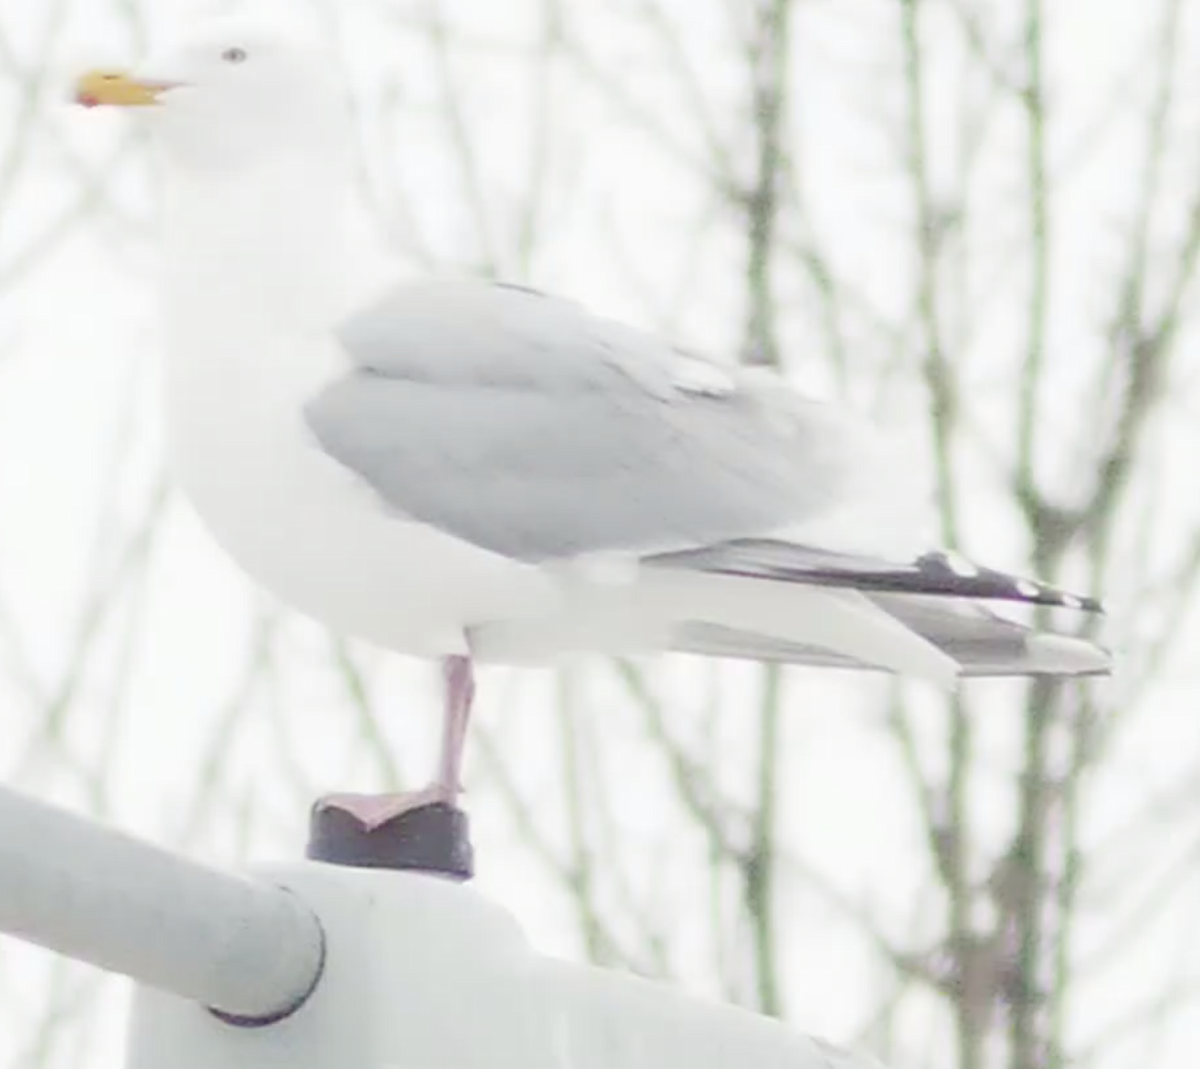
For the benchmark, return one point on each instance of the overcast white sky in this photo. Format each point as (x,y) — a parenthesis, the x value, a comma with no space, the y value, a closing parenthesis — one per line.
(626,228)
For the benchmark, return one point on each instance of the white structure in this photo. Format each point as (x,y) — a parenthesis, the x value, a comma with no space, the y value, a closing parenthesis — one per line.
(354,968)
(94,894)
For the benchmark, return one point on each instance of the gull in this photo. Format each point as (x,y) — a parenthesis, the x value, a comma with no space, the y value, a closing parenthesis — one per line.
(477,471)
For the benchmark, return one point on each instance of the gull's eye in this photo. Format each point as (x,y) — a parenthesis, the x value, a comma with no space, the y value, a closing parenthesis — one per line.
(234,55)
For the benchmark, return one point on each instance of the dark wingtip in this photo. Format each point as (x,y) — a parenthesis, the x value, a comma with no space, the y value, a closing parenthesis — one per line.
(935,574)
(962,577)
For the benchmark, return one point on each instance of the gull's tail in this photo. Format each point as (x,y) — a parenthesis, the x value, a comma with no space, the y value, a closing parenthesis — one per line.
(775,601)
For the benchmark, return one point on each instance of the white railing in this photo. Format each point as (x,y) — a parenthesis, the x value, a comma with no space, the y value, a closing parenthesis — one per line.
(320,966)
(78,888)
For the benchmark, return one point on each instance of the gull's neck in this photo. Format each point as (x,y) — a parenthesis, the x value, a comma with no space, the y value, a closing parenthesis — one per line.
(272,247)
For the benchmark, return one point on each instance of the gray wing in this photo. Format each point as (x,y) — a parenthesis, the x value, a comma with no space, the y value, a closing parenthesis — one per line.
(529,427)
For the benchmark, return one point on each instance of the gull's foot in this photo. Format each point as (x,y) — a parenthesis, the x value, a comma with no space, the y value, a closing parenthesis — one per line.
(374,810)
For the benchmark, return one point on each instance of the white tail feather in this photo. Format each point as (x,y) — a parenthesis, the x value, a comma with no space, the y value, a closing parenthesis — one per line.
(843,621)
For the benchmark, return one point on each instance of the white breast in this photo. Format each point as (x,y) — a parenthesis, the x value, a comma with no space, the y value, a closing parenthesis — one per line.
(304,527)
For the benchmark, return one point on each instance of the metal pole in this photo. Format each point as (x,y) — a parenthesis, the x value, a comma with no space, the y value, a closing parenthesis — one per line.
(246,948)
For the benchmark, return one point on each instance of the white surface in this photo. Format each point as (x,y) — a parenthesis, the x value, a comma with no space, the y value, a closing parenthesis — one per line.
(81,889)
(427,974)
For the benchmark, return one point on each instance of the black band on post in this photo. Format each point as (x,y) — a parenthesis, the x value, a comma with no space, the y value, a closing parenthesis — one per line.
(432,838)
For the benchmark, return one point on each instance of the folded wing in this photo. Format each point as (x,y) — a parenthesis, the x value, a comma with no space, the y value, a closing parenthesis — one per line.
(525,426)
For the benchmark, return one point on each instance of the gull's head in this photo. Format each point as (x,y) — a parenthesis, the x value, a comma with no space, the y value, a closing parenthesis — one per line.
(230,98)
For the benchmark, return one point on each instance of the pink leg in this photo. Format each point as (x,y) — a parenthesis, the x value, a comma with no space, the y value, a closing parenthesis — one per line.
(459,676)
(372,810)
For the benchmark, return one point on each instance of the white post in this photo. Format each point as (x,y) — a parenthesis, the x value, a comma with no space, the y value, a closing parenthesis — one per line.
(329,966)
(241,946)
(424,973)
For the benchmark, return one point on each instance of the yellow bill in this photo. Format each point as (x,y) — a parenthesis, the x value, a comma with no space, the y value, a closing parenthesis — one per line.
(116,89)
